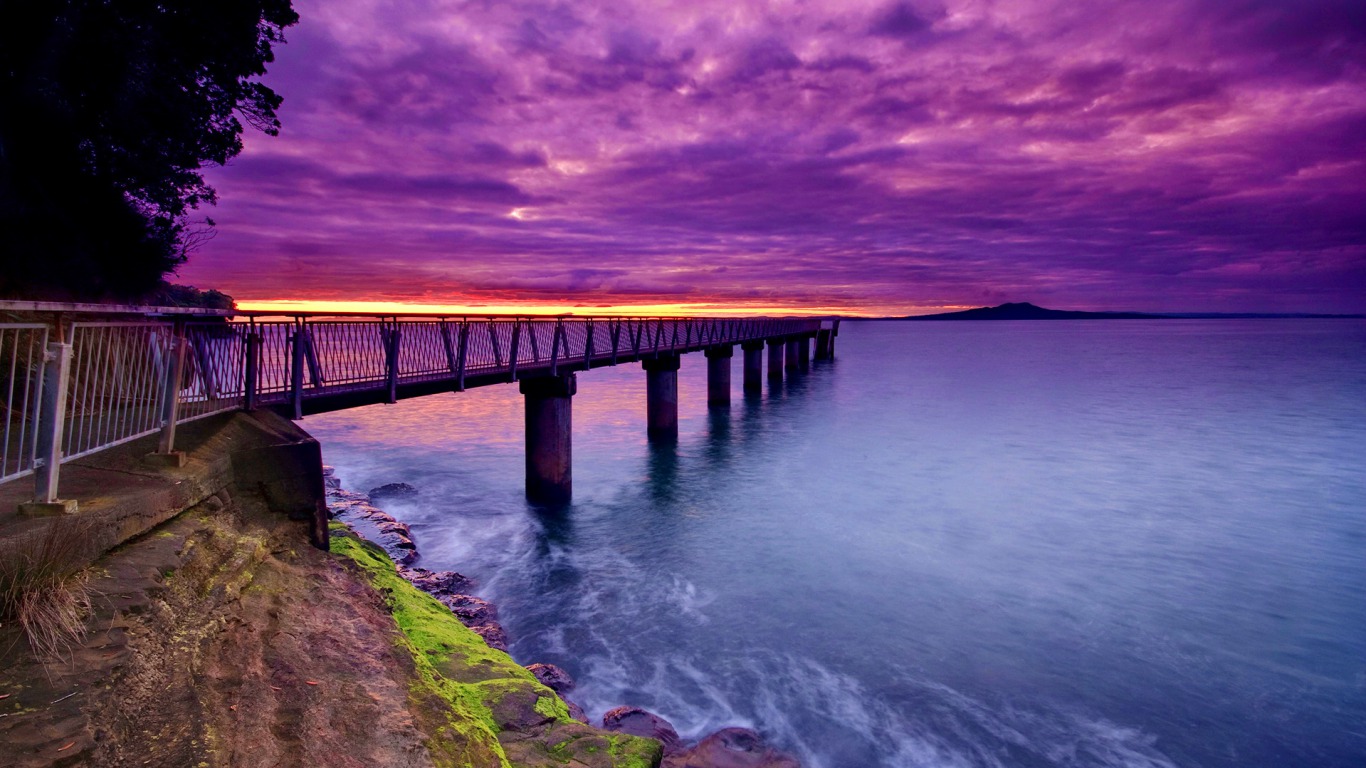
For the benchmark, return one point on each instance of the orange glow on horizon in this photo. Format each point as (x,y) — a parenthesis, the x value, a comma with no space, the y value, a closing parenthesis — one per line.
(681,309)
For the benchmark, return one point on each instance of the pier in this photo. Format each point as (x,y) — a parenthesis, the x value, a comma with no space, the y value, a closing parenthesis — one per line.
(82,378)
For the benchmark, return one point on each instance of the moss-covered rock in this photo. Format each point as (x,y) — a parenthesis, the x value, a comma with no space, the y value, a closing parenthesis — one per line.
(480,706)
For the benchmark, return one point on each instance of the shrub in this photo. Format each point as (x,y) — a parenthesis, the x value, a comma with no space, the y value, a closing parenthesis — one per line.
(44,586)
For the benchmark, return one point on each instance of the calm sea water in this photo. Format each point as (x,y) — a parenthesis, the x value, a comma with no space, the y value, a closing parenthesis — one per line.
(961,544)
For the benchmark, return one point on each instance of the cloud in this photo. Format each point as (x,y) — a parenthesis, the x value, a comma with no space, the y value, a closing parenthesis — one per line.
(1163,154)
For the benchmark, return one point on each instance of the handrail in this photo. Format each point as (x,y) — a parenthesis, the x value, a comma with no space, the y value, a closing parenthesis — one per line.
(12,305)
(85,377)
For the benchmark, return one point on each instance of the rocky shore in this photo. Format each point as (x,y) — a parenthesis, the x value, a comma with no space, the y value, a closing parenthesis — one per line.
(726,748)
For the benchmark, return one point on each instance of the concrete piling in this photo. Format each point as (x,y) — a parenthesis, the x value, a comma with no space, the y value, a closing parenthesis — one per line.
(661,398)
(549,428)
(718,374)
(754,366)
(775,359)
(823,344)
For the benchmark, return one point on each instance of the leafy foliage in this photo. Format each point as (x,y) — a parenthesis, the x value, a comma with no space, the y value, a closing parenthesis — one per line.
(111,109)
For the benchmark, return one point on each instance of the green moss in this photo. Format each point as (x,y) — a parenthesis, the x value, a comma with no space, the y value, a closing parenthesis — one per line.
(479,690)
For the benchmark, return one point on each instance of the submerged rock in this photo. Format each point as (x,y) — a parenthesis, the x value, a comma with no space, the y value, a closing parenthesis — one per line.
(392,491)
(639,722)
(730,748)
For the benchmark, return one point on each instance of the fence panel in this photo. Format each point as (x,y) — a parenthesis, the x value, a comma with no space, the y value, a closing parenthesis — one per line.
(118,383)
(22,350)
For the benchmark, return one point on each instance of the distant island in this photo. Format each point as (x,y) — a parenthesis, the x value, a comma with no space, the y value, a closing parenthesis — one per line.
(1023,310)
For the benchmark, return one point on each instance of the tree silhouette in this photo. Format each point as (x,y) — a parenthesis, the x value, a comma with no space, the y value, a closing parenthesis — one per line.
(108,111)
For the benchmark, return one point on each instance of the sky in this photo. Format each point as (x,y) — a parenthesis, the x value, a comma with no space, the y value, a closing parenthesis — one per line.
(867,158)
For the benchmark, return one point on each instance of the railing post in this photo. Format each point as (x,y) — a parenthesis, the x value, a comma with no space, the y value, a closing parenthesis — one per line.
(616,339)
(51,419)
(170,403)
(464,345)
(395,338)
(554,347)
(315,374)
(296,368)
(497,353)
(448,345)
(512,351)
(535,346)
(253,369)
(587,346)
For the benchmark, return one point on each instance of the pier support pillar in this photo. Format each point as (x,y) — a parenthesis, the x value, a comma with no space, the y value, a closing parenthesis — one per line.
(661,398)
(718,374)
(775,359)
(792,352)
(804,354)
(754,366)
(549,426)
(823,344)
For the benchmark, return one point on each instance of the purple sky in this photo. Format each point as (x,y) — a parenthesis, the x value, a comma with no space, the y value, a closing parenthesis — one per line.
(872,157)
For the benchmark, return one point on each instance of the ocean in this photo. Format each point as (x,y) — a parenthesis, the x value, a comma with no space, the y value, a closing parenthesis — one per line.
(1065,543)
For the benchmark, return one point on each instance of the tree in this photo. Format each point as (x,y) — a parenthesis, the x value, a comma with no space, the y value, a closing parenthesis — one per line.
(109,109)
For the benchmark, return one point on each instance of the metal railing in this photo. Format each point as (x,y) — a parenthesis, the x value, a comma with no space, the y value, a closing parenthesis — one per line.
(93,377)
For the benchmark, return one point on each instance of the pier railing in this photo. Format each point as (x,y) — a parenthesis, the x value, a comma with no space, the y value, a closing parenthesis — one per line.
(77,379)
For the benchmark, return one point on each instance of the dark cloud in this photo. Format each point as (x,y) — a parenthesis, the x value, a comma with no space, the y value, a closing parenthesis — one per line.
(1162,154)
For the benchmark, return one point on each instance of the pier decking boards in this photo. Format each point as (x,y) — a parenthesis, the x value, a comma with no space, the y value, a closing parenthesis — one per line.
(178,366)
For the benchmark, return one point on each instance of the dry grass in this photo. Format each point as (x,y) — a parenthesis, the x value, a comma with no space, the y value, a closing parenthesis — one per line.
(44,587)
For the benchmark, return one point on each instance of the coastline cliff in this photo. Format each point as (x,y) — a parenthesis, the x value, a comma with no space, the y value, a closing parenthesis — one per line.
(218,636)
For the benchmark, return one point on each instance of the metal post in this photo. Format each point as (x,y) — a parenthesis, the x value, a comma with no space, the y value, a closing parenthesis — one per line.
(253,370)
(587,346)
(296,369)
(464,345)
(555,347)
(394,338)
(448,345)
(51,418)
(170,403)
(493,337)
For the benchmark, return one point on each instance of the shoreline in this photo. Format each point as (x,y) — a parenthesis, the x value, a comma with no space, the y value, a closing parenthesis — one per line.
(731,747)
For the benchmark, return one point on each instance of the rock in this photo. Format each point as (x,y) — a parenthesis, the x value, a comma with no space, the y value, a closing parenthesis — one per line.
(394,528)
(438,583)
(493,634)
(639,722)
(731,748)
(392,491)
(575,711)
(213,503)
(471,610)
(552,677)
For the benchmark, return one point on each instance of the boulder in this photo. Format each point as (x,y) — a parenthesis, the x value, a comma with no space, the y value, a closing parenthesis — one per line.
(731,748)
(639,722)
(437,583)
(552,677)
(493,635)
(471,610)
(392,491)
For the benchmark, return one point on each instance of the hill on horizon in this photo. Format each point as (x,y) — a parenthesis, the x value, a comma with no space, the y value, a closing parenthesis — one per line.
(1023,310)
